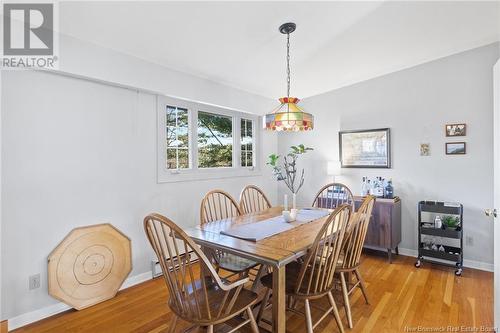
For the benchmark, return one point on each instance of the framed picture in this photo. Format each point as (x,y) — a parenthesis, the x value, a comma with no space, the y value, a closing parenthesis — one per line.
(425,149)
(455,129)
(365,148)
(455,148)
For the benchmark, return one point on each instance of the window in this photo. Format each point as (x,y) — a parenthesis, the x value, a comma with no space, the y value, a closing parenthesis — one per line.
(246,142)
(215,140)
(199,141)
(177,138)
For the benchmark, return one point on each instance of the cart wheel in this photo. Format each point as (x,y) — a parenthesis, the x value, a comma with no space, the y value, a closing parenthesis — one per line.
(458,272)
(418,263)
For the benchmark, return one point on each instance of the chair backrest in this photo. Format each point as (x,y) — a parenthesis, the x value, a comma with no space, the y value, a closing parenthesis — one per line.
(333,195)
(218,205)
(252,199)
(187,283)
(356,233)
(316,274)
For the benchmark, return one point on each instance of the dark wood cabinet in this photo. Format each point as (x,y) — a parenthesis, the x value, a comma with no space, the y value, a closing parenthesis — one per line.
(384,230)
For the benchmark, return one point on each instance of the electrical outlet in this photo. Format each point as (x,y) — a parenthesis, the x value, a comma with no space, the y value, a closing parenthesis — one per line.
(34,281)
(469,241)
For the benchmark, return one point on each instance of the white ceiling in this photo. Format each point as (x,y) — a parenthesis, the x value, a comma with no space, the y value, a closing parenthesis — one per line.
(238,43)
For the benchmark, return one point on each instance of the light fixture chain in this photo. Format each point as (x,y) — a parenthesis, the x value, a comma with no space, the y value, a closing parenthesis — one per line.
(288,64)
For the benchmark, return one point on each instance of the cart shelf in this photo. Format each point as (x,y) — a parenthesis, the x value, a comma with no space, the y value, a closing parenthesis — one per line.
(451,253)
(448,233)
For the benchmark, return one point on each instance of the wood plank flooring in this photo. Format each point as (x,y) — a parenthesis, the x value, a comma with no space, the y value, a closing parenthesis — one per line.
(402,298)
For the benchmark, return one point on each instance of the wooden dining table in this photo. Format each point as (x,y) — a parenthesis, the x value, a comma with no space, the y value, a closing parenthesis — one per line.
(275,251)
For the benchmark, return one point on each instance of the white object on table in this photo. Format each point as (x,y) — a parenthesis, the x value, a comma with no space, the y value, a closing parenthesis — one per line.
(287,216)
(285,205)
(294,201)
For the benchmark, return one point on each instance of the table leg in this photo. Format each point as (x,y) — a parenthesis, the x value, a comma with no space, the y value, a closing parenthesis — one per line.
(279,304)
(389,255)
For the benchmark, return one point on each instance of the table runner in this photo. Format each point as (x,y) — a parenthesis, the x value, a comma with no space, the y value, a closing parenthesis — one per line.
(275,225)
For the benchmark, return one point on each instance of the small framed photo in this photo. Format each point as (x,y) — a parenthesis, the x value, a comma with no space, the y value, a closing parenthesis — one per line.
(425,149)
(455,148)
(455,129)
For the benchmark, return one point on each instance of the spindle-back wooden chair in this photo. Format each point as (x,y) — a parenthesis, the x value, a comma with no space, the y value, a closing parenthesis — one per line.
(314,277)
(253,199)
(196,294)
(351,253)
(333,195)
(219,205)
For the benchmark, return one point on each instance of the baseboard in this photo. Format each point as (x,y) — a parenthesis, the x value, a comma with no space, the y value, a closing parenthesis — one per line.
(483,266)
(33,316)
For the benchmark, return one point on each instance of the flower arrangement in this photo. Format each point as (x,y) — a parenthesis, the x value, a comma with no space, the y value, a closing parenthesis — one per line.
(286,171)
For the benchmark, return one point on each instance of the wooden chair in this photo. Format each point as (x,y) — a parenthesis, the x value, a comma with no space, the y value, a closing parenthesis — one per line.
(196,295)
(219,205)
(314,278)
(351,253)
(333,195)
(252,199)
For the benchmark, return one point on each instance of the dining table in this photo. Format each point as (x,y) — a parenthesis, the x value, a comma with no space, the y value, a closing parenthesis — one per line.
(275,251)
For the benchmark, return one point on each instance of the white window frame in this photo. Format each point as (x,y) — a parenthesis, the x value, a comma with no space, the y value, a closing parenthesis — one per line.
(194,173)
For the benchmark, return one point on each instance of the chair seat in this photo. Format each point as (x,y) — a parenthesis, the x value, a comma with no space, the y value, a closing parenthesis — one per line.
(235,264)
(291,274)
(215,297)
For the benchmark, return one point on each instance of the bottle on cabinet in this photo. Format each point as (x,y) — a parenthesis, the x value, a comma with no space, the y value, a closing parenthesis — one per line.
(379,187)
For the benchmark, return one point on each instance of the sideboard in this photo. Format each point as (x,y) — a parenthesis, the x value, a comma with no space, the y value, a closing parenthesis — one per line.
(384,230)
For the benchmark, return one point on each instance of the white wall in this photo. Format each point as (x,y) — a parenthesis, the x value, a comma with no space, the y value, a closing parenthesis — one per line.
(416,104)
(76,152)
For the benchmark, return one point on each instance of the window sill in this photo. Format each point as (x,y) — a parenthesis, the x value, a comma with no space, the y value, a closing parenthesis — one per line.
(172,176)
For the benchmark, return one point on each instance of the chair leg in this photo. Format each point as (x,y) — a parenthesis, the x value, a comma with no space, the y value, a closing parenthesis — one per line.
(173,323)
(345,293)
(263,305)
(210,329)
(309,324)
(260,273)
(362,285)
(335,312)
(253,324)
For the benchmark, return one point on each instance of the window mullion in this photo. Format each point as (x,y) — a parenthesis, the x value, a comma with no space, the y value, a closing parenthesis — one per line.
(237,141)
(193,144)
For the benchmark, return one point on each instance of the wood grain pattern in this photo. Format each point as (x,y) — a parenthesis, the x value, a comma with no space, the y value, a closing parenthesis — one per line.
(4,326)
(89,265)
(197,295)
(218,205)
(294,241)
(253,199)
(333,195)
(404,302)
(384,231)
(275,251)
(314,277)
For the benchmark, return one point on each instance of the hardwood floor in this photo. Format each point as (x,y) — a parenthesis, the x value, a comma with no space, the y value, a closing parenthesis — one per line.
(402,298)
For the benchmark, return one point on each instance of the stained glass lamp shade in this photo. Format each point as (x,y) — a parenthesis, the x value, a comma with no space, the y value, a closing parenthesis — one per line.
(288,116)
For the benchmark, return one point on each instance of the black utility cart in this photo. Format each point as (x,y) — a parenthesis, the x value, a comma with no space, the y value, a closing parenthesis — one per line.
(451,231)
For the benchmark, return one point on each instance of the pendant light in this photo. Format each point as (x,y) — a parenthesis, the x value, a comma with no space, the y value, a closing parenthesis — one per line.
(288,116)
